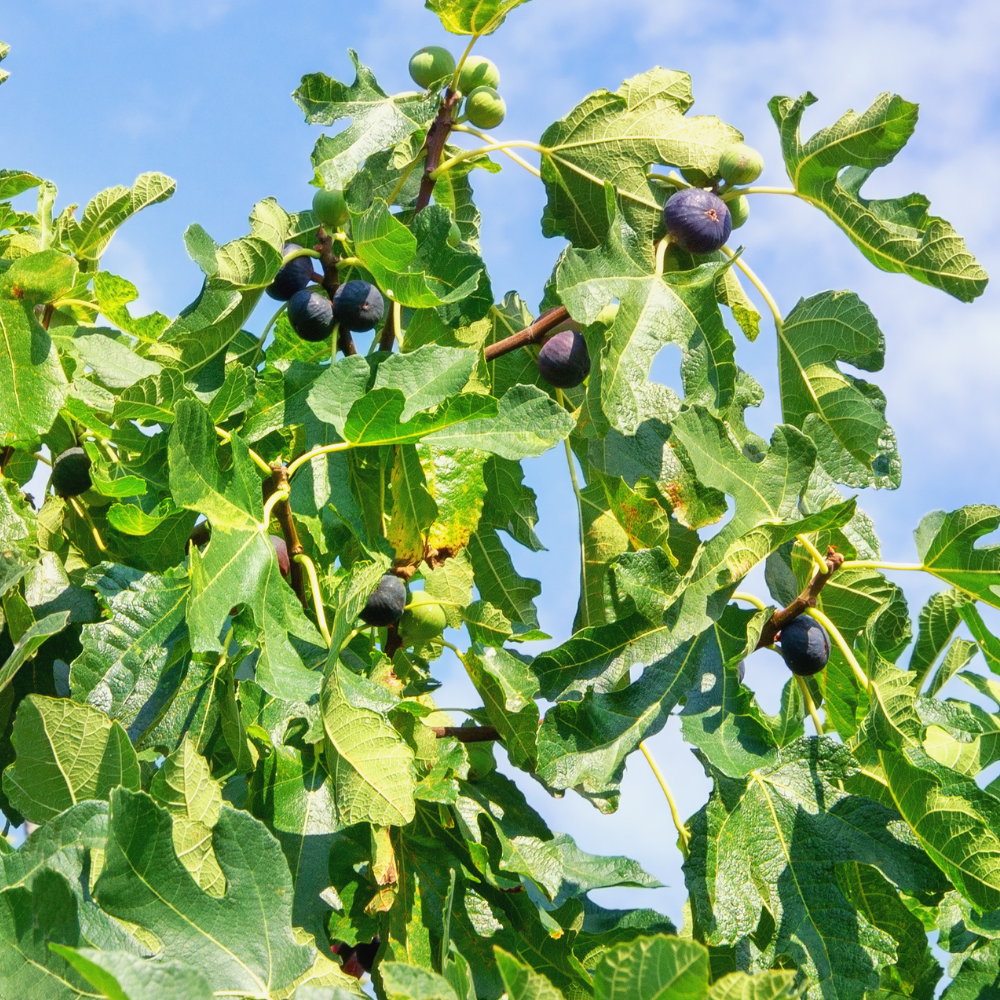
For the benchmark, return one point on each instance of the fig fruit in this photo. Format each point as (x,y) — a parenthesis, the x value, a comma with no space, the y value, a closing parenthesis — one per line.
(311,315)
(430,64)
(358,306)
(485,108)
(564,361)
(805,646)
(739,209)
(697,220)
(281,551)
(386,603)
(478,71)
(291,277)
(422,621)
(454,235)
(71,473)
(329,207)
(740,164)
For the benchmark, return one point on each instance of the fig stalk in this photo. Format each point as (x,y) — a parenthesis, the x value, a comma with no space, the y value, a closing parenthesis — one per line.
(331,282)
(283,512)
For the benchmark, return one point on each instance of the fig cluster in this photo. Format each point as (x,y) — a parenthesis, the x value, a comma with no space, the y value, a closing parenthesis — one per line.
(71,473)
(477,80)
(805,646)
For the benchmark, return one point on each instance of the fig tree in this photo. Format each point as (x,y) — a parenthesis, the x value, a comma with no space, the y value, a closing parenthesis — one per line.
(386,603)
(71,473)
(358,306)
(805,646)
(291,277)
(311,315)
(430,64)
(740,164)
(422,621)
(329,207)
(739,209)
(485,108)
(281,551)
(478,71)
(564,361)
(697,220)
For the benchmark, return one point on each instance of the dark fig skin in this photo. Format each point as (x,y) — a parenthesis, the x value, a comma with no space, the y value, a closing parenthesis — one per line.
(805,646)
(311,315)
(281,551)
(697,220)
(291,277)
(386,604)
(741,669)
(358,306)
(357,959)
(564,361)
(71,473)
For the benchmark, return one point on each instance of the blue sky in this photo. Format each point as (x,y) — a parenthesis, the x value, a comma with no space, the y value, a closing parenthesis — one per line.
(199,89)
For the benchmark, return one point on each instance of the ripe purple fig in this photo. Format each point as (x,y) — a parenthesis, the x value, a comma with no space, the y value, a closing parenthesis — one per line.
(564,362)
(311,315)
(805,646)
(281,551)
(358,306)
(291,277)
(697,220)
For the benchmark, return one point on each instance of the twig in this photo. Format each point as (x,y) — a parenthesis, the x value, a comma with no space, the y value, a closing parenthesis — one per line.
(533,334)
(467,734)
(807,599)
(330,283)
(283,512)
(437,136)
(388,336)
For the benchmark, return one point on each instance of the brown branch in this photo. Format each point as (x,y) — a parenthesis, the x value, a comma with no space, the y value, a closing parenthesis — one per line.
(47,315)
(807,599)
(392,641)
(388,336)
(330,283)
(6,454)
(467,734)
(533,334)
(437,136)
(283,512)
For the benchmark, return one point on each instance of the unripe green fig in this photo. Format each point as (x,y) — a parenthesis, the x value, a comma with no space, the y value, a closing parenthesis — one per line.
(430,64)
(485,108)
(454,235)
(739,209)
(740,164)
(422,621)
(329,207)
(478,71)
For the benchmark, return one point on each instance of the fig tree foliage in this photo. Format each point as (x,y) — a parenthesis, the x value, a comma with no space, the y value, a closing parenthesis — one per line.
(230,767)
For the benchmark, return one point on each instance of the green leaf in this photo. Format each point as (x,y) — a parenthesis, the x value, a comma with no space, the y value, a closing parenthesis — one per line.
(377,120)
(946,544)
(113,295)
(121,976)
(370,764)
(654,310)
(28,643)
(105,212)
(184,786)
(118,668)
(844,416)
(754,845)
(40,277)
(426,376)
(955,821)
(411,982)
(242,941)
(939,618)
(522,982)
(30,375)
(616,137)
(499,583)
(413,508)
(653,968)
(472,17)
(65,753)
(895,234)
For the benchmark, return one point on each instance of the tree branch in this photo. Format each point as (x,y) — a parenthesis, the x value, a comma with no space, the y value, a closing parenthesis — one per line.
(437,136)
(467,734)
(807,599)
(283,512)
(330,283)
(387,339)
(533,334)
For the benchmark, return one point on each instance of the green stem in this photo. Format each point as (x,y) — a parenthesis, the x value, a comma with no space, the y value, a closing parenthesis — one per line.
(579,509)
(735,192)
(760,286)
(807,698)
(683,835)
(482,135)
(275,498)
(317,596)
(842,643)
(407,170)
(461,62)
(301,252)
(661,255)
(878,564)
(742,595)
(267,329)
(495,147)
